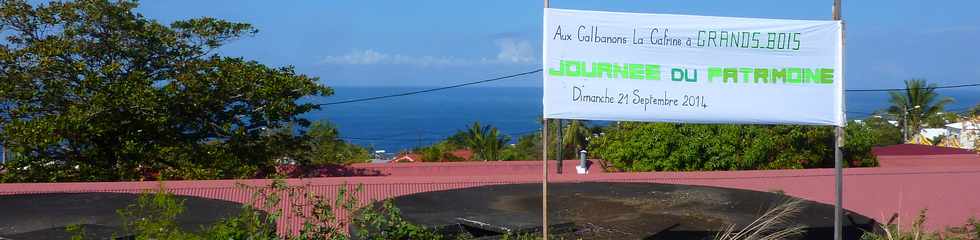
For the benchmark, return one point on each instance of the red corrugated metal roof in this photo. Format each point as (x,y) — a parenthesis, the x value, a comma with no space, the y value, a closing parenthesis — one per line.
(948,192)
(916,149)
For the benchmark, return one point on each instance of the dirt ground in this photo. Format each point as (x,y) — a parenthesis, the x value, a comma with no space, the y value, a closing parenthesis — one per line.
(615,210)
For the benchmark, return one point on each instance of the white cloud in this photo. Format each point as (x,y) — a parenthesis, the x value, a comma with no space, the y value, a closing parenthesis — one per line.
(367,57)
(515,51)
(510,51)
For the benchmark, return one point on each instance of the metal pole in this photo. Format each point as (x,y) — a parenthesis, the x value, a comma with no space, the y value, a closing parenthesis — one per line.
(838,183)
(561,145)
(544,169)
(838,143)
(544,182)
(905,124)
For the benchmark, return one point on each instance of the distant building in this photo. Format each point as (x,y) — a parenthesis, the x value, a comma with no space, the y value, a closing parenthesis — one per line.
(380,156)
(965,132)
(962,134)
(456,155)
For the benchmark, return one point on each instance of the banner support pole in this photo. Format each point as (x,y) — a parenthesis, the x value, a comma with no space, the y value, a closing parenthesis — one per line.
(544,168)
(838,143)
(544,181)
(560,142)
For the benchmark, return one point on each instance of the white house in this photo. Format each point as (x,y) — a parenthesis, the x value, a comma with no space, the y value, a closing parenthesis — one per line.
(966,132)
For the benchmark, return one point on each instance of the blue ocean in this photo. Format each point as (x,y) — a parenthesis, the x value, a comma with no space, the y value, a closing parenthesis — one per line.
(401,123)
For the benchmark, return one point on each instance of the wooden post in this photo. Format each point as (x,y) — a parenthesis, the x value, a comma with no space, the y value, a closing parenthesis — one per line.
(544,181)
(544,169)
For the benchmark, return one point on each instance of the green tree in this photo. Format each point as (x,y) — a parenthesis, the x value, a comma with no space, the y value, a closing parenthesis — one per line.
(940,119)
(326,148)
(859,139)
(883,132)
(575,137)
(972,113)
(441,151)
(913,106)
(528,147)
(93,90)
(486,142)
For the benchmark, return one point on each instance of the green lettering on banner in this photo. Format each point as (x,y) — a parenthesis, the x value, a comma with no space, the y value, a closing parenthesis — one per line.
(809,76)
(578,68)
(636,71)
(601,68)
(618,71)
(713,72)
(730,73)
(652,72)
(761,73)
(793,75)
(826,75)
(745,74)
(778,74)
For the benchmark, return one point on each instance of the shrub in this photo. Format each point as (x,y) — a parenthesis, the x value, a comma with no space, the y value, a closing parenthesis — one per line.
(893,231)
(634,146)
(154,216)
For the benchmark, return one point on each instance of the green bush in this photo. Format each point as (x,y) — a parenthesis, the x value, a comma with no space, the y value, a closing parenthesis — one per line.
(635,146)
(154,216)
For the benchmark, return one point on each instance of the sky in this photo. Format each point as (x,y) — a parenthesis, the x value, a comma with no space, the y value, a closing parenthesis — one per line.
(438,43)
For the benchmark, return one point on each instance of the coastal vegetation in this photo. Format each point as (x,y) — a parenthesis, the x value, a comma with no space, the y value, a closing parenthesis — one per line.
(155,215)
(97,92)
(93,91)
(893,231)
(634,146)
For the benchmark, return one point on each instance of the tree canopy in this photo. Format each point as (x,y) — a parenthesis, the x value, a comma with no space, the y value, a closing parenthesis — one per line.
(916,105)
(92,90)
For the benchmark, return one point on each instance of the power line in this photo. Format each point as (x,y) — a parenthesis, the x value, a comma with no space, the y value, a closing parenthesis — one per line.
(539,70)
(905,89)
(432,89)
(386,139)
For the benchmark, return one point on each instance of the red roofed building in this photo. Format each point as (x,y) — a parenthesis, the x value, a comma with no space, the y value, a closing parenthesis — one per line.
(917,149)
(464,154)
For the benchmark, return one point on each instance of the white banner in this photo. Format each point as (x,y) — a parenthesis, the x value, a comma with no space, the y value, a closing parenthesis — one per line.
(692,69)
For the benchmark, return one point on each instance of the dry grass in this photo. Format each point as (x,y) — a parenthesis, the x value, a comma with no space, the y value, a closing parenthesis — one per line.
(772,225)
(894,231)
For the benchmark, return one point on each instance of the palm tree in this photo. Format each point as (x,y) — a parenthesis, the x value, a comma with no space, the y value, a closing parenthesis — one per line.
(575,137)
(918,101)
(486,142)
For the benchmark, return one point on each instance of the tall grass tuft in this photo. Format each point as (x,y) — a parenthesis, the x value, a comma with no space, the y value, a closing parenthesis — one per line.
(771,225)
(894,231)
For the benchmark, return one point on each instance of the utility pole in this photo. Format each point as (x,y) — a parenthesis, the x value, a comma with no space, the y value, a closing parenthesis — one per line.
(838,143)
(905,124)
(906,127)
